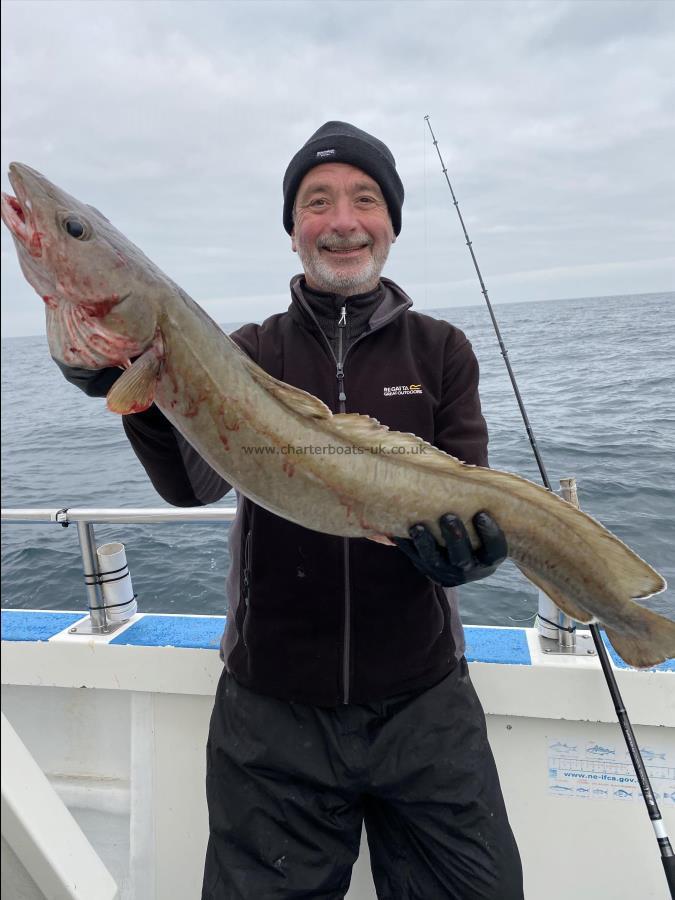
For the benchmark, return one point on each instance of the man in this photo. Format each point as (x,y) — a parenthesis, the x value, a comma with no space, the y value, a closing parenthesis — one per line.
(345,695)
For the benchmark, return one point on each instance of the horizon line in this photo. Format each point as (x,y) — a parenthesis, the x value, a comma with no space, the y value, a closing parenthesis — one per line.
(476,302)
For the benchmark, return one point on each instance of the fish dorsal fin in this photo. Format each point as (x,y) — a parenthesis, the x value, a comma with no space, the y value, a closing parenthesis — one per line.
(370,434)
(295,399)
(134,390)
(353,427)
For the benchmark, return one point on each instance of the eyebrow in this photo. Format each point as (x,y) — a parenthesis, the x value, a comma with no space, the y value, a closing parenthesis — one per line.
(359,186)
(367,186)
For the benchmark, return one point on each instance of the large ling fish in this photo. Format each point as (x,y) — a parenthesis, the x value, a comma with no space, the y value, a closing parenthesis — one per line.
(107,304)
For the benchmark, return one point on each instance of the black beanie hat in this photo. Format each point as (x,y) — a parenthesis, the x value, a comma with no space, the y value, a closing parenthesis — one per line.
(344,143)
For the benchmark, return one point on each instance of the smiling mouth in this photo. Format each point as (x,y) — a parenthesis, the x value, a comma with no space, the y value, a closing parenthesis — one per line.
(345,251)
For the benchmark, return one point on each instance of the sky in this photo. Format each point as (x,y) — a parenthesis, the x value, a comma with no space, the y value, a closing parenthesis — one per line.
(177,121)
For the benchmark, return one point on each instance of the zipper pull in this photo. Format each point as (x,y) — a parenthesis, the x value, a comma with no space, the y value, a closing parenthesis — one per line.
(342,321)
(342,397)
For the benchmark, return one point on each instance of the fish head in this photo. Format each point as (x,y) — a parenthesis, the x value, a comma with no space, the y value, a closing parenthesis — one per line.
(99,290)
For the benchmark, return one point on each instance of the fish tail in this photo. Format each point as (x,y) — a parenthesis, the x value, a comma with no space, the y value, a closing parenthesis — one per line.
(651,640)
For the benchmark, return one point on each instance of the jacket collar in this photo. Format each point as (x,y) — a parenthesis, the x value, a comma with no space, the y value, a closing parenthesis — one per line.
(393,304)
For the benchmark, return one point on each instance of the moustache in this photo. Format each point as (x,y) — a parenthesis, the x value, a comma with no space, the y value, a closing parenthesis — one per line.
(338,243)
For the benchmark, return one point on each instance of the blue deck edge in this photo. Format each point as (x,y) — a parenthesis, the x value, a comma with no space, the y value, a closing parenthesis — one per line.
(483,644)
(506,646)
(35,625)
(199,632)
(497,645)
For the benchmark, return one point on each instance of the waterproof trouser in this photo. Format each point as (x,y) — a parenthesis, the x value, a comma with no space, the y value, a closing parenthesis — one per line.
(289,786)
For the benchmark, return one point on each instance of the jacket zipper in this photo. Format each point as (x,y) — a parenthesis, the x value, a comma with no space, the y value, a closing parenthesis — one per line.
(342,400)
(247,583)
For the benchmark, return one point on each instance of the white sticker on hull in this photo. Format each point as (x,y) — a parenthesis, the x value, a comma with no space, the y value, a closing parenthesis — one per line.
(593,770)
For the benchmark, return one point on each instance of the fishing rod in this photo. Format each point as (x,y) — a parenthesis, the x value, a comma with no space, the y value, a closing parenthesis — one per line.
(665,848)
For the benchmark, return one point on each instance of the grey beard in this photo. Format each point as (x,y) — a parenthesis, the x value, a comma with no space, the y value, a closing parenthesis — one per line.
(330,280)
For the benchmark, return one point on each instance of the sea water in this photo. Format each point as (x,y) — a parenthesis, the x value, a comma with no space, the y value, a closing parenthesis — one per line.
(597,376)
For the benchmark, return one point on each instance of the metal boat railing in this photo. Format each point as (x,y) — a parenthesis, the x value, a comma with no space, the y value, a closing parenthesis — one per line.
(86,518)
(102,515)
(557,631)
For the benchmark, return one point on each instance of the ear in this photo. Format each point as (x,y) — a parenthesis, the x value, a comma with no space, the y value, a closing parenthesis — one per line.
(294,246)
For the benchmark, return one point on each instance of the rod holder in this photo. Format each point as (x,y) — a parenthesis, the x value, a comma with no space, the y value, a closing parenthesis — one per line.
(119,600)
(105,615)
(567,635)
(556,627)
(97,613)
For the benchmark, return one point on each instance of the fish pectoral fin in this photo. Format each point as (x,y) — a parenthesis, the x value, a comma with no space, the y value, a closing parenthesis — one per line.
(651,640)
(574,610)
(134,390)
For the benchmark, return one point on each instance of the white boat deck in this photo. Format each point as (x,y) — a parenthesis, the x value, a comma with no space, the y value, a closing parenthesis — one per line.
(118,724)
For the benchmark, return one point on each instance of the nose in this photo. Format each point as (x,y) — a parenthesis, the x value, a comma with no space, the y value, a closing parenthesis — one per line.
(343,216)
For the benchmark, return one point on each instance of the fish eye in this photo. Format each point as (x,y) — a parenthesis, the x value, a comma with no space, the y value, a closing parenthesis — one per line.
(74,224)
(75,228)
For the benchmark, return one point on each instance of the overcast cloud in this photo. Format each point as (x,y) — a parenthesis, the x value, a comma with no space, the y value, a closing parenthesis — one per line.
(177,121)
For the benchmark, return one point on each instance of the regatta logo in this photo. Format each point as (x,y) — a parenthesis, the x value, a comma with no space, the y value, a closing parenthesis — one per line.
(321,153)
(402,390)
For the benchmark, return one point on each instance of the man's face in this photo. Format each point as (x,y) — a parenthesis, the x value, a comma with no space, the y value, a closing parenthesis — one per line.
(342,231)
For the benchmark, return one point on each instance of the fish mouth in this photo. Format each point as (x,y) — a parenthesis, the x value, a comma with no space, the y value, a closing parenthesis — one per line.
(14,216)
(16,213)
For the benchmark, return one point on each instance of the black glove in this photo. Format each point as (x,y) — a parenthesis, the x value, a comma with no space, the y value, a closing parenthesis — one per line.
(97,383)
(94,382)
(456,562)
